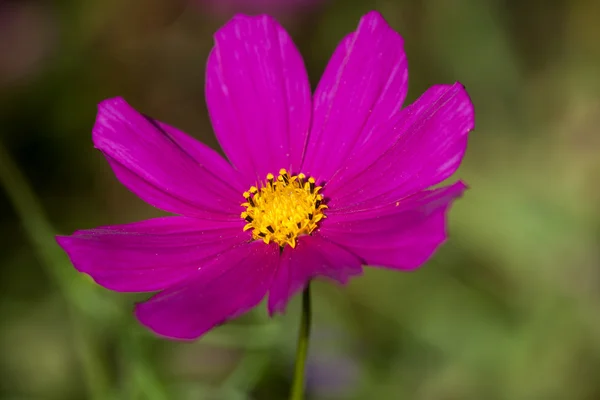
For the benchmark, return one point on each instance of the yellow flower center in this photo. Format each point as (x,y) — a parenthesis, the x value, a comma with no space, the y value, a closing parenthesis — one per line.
(283,209)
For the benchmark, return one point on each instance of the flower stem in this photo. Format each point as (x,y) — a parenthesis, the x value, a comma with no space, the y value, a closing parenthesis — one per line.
(297,392)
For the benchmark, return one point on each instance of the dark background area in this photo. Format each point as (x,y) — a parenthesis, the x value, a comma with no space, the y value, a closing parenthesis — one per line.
(508,309)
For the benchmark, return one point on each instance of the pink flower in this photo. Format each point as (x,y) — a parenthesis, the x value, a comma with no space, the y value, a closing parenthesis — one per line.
(315,186)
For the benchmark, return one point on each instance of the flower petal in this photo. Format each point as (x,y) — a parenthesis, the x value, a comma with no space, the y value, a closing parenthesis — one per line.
(363,86)
(149,255)
(313,256)
(229,285)
(206,156)
(150,159)
(258,96)
(430,148)
(401,236)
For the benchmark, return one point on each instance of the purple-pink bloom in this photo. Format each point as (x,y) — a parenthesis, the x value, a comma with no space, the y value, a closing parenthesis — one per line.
(315,186)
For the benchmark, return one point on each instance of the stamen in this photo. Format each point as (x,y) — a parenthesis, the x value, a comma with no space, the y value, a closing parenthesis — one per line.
(283,209)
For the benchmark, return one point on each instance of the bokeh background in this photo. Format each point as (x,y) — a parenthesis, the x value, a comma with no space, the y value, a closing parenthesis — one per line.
(508,309)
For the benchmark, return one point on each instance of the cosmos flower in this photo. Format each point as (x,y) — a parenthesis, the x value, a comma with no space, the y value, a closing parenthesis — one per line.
(314,186)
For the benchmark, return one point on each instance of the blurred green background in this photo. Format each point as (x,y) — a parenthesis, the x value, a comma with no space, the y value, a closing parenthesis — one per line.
(508,309)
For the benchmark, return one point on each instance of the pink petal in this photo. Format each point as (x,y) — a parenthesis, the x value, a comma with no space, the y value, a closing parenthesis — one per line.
(163,166)
(430,148)
(227,286)
(313,256)
(399,236)
(258,96)
(149,255)
(363,86)
(206,156)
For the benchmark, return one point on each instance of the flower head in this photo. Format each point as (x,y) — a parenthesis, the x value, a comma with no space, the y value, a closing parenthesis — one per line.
(284,209)
(314,186)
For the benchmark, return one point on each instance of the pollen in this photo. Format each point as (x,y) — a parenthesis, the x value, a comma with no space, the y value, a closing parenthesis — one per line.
(283,209)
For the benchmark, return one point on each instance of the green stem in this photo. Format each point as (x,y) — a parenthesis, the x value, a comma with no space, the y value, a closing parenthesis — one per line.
(297,392)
